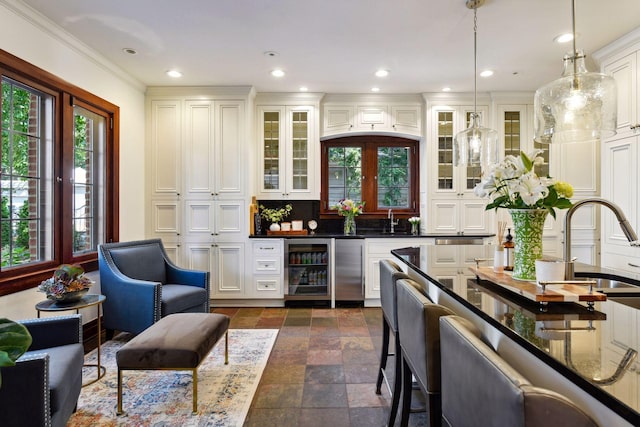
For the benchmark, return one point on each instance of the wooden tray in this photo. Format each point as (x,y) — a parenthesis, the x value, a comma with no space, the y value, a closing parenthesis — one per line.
(530,290)
(287,233)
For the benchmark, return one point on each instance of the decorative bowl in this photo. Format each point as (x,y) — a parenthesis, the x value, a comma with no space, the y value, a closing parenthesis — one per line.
(68,297)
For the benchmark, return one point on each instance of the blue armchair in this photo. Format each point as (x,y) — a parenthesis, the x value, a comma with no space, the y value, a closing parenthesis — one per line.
(142,285)
(42,389)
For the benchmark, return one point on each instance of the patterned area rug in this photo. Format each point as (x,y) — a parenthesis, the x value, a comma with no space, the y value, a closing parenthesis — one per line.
(164,398)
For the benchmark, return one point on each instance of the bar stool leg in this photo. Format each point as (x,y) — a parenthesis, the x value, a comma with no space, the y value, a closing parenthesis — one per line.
(383,354)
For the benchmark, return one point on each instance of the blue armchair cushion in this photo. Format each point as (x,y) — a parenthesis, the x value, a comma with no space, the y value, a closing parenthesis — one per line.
(64,374)
(180,298)
(143,262)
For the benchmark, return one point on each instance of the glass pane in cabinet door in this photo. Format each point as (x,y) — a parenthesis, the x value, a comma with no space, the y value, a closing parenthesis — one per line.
(300,149)
(445,150)
(474,173)
(393,177)
(271,147)
(345,174)
(512,133)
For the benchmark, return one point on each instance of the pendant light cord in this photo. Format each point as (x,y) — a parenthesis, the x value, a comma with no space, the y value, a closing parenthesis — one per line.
(573,28)
(475,62)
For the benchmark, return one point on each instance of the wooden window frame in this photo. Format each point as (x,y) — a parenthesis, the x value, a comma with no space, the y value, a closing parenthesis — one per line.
(369,145)
(65,95)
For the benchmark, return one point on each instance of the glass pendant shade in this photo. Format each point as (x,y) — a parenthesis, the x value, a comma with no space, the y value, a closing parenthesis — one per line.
(475,146)
(579,106)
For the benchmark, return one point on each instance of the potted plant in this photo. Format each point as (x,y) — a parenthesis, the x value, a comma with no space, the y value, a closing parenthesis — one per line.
(275,215)
(15,339)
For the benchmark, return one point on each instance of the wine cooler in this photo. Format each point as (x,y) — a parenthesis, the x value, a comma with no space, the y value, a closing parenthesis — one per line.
(307,273)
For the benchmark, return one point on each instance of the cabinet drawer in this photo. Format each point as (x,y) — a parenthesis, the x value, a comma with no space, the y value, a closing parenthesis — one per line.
(267,265)
(267,248)
(268,287)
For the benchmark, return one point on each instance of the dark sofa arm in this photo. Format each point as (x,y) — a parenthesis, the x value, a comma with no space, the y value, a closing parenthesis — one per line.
(24,394)
(54,331)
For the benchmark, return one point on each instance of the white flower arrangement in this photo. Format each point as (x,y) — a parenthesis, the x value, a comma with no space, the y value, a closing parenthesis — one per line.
(514,184)
(414,220)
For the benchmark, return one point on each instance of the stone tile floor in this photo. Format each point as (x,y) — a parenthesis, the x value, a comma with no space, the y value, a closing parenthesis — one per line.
(322,369)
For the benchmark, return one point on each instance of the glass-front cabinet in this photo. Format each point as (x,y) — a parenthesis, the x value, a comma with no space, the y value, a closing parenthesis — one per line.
(286,137)
(453,207)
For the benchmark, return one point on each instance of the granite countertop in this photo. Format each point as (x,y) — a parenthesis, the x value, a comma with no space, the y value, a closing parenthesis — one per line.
(375,235)
(569,337)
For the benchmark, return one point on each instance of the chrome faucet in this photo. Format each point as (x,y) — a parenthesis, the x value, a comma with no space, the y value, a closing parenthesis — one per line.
(392,221)
(624,224)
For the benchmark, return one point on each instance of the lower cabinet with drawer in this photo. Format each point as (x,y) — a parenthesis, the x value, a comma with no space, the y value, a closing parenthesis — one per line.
(266,269)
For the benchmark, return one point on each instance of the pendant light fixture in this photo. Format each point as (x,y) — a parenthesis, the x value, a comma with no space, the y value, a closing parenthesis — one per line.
(579,106)
(477,145)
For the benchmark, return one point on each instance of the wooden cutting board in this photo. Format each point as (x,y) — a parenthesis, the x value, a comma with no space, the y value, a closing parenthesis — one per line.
(530,290)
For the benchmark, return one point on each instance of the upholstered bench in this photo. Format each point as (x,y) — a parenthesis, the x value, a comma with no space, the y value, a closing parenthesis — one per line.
(177,342)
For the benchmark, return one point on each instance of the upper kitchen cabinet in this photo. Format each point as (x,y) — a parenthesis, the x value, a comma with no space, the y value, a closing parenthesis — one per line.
(453,207)
(621,60)
(289,150)
(214,130)
(384,114)
(165,146)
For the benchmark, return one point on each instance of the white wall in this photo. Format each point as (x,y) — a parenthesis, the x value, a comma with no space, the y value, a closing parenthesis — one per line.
(33,38)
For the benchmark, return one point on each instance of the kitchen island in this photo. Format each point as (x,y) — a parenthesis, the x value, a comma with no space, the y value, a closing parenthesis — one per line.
(588,354)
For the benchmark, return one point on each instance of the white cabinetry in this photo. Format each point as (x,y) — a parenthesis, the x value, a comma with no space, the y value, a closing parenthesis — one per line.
(453,208)
(197,201)
(372,117)
(621,153)
(267,273)
(288,145)
(377,250)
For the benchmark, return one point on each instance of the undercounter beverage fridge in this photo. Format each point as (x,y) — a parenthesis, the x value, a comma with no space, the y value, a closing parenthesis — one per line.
(307,273)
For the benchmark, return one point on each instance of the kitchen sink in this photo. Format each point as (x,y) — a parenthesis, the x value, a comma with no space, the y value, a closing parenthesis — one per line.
(613,287)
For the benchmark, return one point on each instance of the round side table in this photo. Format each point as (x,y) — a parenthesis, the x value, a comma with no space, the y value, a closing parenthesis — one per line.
(86,301)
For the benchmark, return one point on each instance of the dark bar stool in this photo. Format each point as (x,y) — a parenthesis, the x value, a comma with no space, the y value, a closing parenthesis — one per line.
(479,388)
(389,274)
(418,324)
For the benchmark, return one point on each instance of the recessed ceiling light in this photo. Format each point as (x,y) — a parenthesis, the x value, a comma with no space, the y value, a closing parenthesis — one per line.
(303,88)
(271,53)
(130,51)
(446,89)
(277,73)
(174,73)
(375,89)
(486,73)
(382,73)
(563,38)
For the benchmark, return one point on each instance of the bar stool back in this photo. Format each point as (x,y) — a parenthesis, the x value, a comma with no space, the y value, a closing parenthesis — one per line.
(389,274)
(479,388)
(419,327)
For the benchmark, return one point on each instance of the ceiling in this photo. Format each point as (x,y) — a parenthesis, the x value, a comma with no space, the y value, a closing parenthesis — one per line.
(335,46)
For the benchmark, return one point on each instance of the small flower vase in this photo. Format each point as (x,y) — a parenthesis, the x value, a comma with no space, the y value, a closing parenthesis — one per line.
(415,228)
(528,225)
(274,227)
(349,225)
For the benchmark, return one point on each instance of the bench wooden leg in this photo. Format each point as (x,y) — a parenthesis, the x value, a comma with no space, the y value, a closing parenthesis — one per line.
(119,410)
(226,348)
(195,391)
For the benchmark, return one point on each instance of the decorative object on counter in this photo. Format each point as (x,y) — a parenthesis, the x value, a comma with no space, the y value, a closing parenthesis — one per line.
(508,251)
(297,225)
(275,215)
(285,226)
(513,184)
(253,212)
(68,284)
(498,253)
(349,210)
(312,226)
(415,225)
